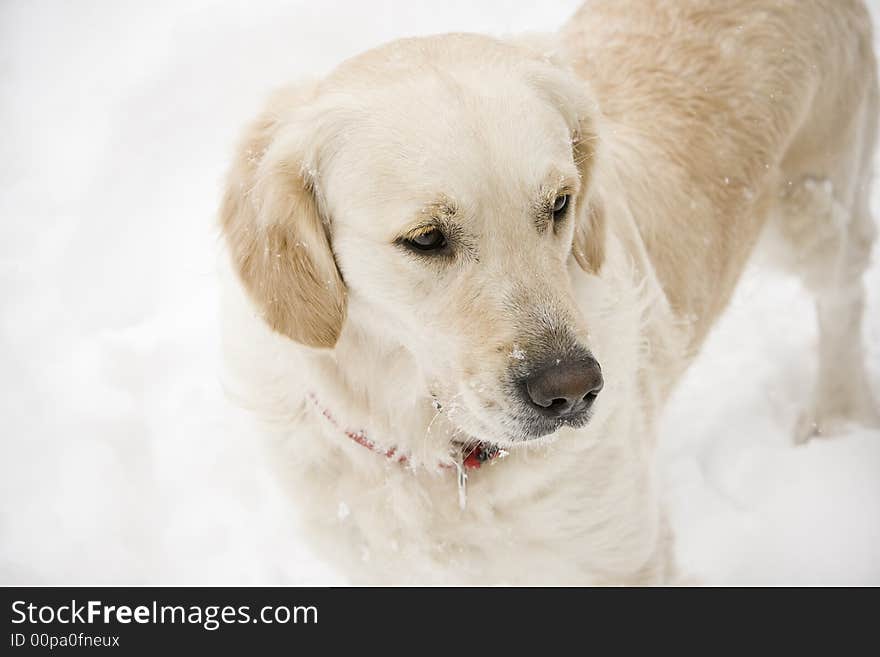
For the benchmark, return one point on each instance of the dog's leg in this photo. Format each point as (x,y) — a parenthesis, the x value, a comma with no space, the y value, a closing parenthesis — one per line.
(832,247)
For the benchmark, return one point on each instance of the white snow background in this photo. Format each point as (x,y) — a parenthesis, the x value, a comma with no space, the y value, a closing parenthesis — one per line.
(122,461)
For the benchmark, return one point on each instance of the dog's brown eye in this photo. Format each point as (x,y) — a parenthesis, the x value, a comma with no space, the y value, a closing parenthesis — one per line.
(429,240)
(560,205)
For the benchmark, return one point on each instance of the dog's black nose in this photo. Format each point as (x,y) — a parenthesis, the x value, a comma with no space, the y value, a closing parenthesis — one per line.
(564,388)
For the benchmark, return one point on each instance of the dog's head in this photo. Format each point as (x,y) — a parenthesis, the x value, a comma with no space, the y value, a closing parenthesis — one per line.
(431,192)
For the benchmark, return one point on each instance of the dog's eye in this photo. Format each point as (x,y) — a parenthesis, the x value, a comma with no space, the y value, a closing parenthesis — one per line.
(560,205)
(428,240)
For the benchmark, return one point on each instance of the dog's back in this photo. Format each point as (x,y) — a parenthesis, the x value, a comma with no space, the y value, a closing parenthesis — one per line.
(718,106)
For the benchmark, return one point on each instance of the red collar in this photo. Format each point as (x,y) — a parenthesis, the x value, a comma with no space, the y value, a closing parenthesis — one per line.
(473,455)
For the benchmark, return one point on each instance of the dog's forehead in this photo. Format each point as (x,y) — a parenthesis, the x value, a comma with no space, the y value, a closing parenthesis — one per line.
(458,135)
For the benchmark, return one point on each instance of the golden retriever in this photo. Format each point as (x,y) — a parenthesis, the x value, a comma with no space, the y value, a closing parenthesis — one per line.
(468,271)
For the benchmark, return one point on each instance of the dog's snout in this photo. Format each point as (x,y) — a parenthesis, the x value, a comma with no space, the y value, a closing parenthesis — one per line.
(564,388)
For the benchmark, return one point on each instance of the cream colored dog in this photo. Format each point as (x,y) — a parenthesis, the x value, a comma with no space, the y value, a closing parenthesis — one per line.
(471,270)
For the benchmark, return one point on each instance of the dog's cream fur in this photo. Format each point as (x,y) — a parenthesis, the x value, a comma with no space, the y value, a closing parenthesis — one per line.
(680,128)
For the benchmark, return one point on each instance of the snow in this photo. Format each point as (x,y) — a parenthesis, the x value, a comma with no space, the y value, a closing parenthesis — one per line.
(122,460)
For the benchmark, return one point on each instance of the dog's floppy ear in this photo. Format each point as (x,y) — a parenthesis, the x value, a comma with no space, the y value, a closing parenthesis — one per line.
(278,241)
(589,231)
